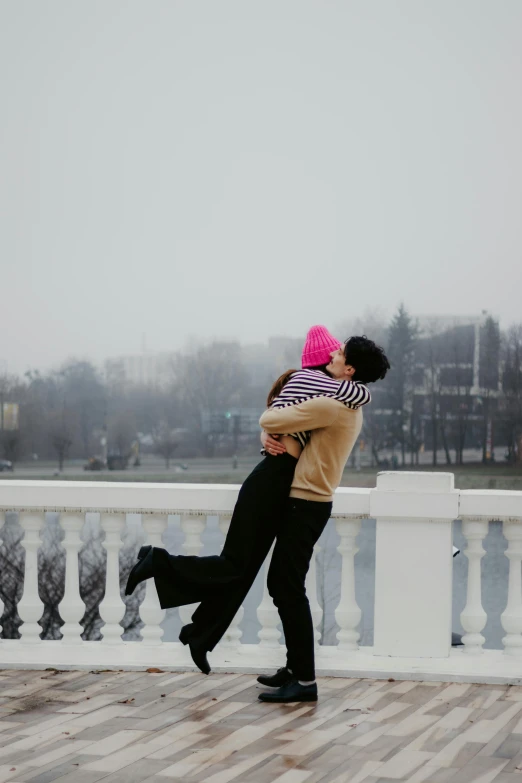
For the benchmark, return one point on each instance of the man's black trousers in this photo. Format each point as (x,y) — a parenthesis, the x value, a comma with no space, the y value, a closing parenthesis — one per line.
(299,530)
(221,582)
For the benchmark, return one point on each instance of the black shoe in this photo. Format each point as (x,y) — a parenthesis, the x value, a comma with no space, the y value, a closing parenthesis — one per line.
(456,640)
(141,571)
(281,677)
(291,692)
(198,654)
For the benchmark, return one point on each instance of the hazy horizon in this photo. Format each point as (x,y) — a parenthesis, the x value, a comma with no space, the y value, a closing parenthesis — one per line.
(239,171)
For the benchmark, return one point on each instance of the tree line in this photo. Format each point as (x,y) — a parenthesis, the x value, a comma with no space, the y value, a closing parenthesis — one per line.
(450,388)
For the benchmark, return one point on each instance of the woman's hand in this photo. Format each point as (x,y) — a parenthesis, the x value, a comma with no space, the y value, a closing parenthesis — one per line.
(271,444)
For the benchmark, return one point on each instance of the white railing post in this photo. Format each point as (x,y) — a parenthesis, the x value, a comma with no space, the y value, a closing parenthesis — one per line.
(112,608)
(316,609)
(30,608)
(511,618)
(267,614)
(192,526)
(151,612)
(473,617)
(71,607)
(413,564)
(234,633)
(348,613)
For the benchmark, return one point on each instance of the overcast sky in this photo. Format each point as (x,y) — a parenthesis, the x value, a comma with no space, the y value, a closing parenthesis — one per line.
(245,168)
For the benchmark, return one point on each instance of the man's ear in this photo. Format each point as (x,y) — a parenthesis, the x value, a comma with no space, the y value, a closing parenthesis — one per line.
(349,371)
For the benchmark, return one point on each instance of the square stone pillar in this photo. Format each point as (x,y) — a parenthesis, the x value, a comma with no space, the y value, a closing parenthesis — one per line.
(414,512)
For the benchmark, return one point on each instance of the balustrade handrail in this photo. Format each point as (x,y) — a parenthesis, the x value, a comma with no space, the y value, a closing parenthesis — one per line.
(143,498)
(146,498)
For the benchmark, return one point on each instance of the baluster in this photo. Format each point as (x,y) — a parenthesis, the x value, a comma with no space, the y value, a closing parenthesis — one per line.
(511,618)
(348,613)
(2,520)
(267,614)
(150,610)
(112,608)
(192,526)
(71,607)
(234,633)
(30,607)
(311,591)
(473,617)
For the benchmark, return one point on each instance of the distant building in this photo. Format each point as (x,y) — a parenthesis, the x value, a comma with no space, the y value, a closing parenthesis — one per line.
(457,380)
(458,353)
(146,369)
(264,362)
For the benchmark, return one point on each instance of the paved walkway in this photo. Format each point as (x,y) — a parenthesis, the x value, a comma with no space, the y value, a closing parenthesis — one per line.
(121,727)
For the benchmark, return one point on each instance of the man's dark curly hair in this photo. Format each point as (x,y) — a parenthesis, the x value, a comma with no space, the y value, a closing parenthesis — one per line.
(370,362)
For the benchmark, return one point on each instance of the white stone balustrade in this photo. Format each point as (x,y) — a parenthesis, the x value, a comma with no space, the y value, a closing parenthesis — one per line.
(511,618)
(151,612)
(348,613)
(413,565)
(30,607)
(473,617)
(72,608)
(112,608)
(413,581)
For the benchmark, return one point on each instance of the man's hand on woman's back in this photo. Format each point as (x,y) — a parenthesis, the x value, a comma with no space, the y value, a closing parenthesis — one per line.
(271,444)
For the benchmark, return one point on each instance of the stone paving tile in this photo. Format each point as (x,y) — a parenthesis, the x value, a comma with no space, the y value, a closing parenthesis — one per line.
(81,727)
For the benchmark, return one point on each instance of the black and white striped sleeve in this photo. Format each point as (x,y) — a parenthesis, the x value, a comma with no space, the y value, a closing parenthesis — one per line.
(354,393)
(303,385)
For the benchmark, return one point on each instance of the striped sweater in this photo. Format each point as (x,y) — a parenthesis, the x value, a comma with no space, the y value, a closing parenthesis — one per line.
(307,384)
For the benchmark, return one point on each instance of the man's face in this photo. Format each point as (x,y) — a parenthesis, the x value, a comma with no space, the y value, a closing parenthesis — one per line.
(338,368)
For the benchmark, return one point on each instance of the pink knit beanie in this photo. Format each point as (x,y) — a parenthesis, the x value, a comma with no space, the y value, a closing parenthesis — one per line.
(318,347)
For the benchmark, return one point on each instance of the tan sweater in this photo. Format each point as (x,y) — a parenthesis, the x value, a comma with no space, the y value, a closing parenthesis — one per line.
(335,430)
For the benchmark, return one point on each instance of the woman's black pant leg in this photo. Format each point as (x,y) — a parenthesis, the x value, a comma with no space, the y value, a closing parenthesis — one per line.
(183,580)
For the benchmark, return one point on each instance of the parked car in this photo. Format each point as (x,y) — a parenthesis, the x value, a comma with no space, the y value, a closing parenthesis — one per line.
(94,463)
(117,462)
(6,465)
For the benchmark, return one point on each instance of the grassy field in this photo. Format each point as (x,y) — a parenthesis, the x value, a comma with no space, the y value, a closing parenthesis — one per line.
(219,471)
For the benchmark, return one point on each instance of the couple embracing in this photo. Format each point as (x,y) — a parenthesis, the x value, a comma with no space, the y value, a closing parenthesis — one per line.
(312,421)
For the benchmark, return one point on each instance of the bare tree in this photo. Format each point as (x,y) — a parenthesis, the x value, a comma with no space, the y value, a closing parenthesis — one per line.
(373,323)
(402,340)
(512,388)
(489,380)
(459,379)
(122,431)
(433,386)
(85,394)
(60,432)
(166,441)
(211,379)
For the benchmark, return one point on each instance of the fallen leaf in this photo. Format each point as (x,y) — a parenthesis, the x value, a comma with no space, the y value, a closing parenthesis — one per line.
(66,732)
(163,695)
(153,670)
(390,679)
(125,701)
